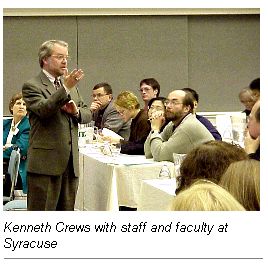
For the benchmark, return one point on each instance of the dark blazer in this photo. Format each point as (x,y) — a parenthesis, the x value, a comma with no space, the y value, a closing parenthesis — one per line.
(20,140)
(54,133)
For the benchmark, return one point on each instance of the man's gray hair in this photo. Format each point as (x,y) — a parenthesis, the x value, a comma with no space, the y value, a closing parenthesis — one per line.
(46,49)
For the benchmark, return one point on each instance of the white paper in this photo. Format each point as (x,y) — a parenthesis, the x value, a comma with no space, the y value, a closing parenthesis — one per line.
(109,133)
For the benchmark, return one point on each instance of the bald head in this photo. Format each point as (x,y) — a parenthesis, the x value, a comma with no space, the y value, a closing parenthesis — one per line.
(247,98)
(187,99)
(177,93)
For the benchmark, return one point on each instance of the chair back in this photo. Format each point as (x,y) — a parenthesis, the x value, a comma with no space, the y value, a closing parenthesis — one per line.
(13,170)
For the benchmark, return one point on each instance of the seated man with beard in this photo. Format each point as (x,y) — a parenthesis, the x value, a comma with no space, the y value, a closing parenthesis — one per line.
(181,135)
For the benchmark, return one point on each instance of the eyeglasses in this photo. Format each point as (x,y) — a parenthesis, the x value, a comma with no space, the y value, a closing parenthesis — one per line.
(145,89)
(157,108)
(172,102)
(98,95)
(61,57)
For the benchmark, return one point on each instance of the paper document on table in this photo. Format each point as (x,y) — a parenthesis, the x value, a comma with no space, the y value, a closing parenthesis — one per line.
(109,133)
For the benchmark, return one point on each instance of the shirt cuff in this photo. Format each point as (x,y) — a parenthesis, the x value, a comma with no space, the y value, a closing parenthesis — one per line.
(77,115)
(155,134)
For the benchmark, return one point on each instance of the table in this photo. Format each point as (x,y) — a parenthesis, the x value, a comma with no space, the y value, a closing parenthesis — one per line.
(156,194)
(109,182)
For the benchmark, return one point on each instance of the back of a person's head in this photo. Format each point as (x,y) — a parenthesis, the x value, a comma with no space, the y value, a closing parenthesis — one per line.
(255,88)
(205,196)
(242,180)
(255,84)
(209,161)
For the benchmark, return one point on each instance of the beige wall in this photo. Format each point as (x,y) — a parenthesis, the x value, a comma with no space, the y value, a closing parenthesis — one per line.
(215,54)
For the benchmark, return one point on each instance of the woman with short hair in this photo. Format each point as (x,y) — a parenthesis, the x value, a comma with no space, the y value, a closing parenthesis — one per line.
(128,107)
(16,136)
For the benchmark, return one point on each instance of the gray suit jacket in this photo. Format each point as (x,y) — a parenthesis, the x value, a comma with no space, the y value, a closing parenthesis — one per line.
(112,120)
(54,133)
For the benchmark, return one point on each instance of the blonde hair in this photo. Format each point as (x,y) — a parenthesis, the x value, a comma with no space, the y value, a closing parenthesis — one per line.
(242,180)
(127,100)
(204,195)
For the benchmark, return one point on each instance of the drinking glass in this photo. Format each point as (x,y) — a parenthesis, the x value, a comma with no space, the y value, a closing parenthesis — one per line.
(239,125)
(96,133)
(81,136)
(116,148)
(89,132)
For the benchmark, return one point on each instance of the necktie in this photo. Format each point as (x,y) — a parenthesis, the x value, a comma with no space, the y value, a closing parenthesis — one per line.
(57,83)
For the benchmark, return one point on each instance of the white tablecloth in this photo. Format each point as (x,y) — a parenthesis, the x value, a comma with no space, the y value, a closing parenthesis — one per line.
(107,182)
(156,194)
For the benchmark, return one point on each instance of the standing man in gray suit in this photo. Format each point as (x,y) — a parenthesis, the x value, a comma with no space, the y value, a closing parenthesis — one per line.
(55,109)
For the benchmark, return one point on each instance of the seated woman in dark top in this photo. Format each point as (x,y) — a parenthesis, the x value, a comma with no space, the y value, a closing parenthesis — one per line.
(127,105)
(156,105)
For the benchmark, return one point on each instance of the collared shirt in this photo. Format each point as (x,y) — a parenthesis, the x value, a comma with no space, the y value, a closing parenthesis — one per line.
(13,131)
(98,117)
(52,79)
